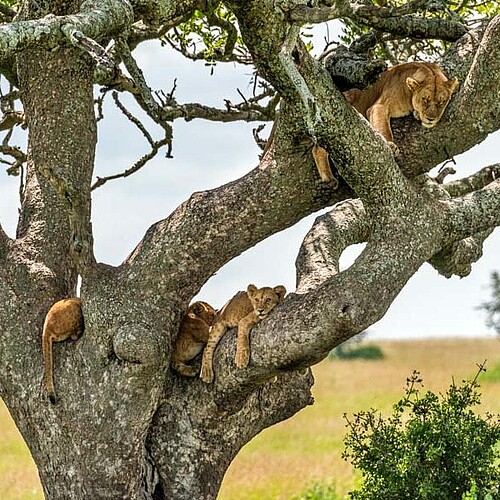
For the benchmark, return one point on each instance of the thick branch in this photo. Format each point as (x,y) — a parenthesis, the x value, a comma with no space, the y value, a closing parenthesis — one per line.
(98,19)
(475,212)
(395,20)
(318,259)
(474,182)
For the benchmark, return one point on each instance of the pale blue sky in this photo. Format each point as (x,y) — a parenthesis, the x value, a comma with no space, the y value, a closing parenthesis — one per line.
(207,155)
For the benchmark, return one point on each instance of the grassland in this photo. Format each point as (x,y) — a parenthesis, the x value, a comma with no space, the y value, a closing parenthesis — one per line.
(283,460)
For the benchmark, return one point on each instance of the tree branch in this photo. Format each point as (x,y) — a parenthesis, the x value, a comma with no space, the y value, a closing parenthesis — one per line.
(474,182)
(318,259)
(248,110)
(458,258)
(98,19)
(4,243)
(237,215)
(475,212)
(395,20)
(141,162)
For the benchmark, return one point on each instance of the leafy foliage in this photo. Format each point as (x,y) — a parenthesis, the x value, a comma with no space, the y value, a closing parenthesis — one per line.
(215,30)
(395,49)
(492,306)
(318,491)
(432,447)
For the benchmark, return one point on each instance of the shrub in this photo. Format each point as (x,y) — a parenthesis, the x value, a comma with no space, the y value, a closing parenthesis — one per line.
(319,491)
(351,349)
(430,448)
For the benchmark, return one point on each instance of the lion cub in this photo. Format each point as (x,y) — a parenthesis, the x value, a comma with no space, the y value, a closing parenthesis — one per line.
(193,336)
(63,321)
(244,310)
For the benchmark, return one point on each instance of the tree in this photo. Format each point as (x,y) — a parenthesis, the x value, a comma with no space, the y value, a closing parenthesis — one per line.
(125,425)
(492,307)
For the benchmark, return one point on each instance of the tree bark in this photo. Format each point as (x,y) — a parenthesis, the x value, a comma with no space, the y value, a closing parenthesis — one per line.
(125,425)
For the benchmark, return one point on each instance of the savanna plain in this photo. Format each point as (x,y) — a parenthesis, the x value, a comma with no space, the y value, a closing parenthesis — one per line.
(285,460)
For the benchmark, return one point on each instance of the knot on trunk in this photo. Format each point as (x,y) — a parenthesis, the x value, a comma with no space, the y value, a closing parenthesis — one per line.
(138,343)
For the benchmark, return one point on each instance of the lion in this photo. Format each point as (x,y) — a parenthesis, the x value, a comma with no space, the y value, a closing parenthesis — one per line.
(63,321)
(192,337)
(244,310)
(420,88)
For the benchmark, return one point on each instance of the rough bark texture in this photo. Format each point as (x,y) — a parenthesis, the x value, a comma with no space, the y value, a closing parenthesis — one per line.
(126,426)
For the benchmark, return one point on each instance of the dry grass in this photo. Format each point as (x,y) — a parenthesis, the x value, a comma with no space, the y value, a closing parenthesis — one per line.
(283,460)
(18,474)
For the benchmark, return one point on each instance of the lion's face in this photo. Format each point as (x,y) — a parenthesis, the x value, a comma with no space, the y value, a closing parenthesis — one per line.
(429,99)
(265,299)
(203,311)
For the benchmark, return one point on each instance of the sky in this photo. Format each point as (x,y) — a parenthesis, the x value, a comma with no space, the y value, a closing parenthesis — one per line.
(207,155)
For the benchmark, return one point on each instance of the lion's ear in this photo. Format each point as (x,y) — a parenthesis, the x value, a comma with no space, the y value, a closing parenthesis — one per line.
(280,291)
(452,84)
(197,308)
(412,83)
(251,289)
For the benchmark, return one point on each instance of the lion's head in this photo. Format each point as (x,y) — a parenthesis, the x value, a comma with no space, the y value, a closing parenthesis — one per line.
(203,311)
(265,299)
(430,98)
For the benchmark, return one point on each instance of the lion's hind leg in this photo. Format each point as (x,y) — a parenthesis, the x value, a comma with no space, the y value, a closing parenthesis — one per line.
(216,333)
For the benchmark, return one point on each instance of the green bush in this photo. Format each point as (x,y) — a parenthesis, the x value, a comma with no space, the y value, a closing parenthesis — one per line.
(431,447)
(352,349)
(318,491)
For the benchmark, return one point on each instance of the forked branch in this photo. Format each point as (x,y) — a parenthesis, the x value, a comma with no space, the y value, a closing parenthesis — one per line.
(155,147)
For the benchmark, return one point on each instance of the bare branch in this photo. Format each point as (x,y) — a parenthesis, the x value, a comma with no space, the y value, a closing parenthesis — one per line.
(248,110)
(258,140)
(155,147)
(143,95)
(132,118)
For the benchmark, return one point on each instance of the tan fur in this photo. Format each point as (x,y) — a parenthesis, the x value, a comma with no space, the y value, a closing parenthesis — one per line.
(192,338)
(244,310)
(416,87)
(63,321)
